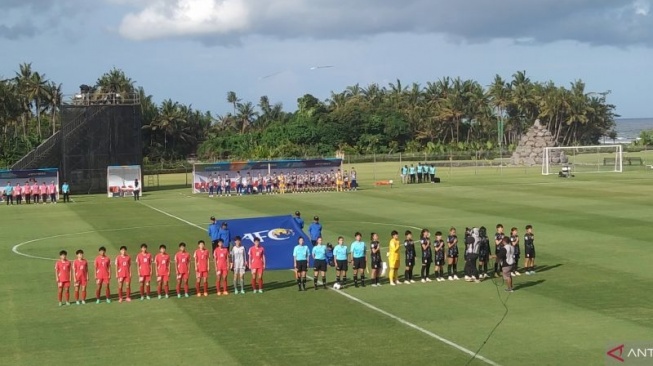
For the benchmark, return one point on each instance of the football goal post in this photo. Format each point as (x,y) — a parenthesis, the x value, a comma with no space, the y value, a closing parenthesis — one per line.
(583,159)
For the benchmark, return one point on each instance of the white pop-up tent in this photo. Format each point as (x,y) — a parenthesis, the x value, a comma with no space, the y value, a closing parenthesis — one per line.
(121,180)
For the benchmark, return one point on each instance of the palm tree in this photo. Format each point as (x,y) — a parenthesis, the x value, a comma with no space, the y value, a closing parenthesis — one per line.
(35,89)
(115,81)
(233,99)
(53,97)
(246,115)
(23,80)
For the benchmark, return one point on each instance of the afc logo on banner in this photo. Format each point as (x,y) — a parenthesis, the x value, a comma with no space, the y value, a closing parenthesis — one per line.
(278,234)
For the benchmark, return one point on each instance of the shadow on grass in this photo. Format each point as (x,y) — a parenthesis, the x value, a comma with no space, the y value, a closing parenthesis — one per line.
(547,267)
(528,284)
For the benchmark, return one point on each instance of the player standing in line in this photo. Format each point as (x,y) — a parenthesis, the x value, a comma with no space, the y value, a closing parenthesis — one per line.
(43,191)
(514,241)
(18,194)
(483,253)
(393,258)
(123,273)
(452,254)
(498,240)
(35,192)
(409,252)
(341,254)
(529,248)
(354,182)
(9,193)
(238,264)
(182,268)
(222,264)
(162,263)
(505,257)
(201,257)
(27,196)
(52,191)
(257,264)
(62,274)
(319,263)
(300,260)
(375,259)
(227,185)
(358,258)
(102,274)
(439,244)
(144,265)
(427,255)
(80,275)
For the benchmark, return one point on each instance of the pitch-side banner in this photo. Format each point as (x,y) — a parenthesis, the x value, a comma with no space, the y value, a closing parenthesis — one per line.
(202,173)
(278,234)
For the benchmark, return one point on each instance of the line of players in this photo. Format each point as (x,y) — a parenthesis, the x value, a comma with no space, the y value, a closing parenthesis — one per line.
(236,260)
(32,192)
(282,182)
(439,252)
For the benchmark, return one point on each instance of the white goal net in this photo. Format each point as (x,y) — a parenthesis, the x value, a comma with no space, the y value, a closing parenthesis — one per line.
(582,159)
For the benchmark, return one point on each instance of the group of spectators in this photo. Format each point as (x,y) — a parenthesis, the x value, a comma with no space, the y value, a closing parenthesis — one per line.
(422,173)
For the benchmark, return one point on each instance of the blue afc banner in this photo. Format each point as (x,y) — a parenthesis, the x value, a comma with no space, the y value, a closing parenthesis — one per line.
(278,234)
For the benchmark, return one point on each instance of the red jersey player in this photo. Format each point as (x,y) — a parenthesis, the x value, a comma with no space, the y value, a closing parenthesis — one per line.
(222,264)
(123,273)
(182,267)
(162,262)
(102,274)
(144,264)
(201,268)
(80,276)
(62,271)
(257,264)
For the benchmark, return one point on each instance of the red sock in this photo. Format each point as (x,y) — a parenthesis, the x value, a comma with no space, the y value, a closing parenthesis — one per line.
(128,292)
(186,287)
(147,289)
(206,287)
(120,292)
(260,283)
(179,288)
(59,294)
(158,288)
(67,295)
(197,287)
(217,285)
(167,289)
(83,295)
(108,292)
(97,292)
(141,289)
(225,285)
(253,284)
(76,294)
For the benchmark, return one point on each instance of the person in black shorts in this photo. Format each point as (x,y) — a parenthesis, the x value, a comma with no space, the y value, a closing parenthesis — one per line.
(409,250)
(427,255)
(498,239)
(300,258)
(452,254)
(341,255)
(438,245)
(319,263)
(514,241)
(483,252)
(375,259)
(529,249)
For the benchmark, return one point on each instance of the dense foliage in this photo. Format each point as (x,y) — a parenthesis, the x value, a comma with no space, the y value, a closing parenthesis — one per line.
(444,115)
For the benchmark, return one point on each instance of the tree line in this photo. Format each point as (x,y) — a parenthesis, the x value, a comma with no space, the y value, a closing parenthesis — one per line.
(445,115)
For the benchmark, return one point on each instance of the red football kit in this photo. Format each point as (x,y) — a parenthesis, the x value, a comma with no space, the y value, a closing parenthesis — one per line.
(102,269)
(202,263)
(63,272)
(256,257)
(221,256)
(162,262)
(123,266)
(182,260)
(144,263)
(81,272)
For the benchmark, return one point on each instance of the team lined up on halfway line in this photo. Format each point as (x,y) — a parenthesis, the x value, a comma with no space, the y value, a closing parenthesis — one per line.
(340,256)
(33,193)
(280,183)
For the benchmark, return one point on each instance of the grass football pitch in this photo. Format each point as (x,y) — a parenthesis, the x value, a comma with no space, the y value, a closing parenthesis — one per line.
(592,289)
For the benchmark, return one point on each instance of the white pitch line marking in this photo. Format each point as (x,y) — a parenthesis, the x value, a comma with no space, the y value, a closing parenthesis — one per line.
(370,306)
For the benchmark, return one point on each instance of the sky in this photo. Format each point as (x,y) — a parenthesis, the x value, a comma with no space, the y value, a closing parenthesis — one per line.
(195,51)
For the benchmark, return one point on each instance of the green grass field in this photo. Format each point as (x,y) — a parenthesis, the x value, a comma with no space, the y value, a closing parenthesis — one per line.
(592,289)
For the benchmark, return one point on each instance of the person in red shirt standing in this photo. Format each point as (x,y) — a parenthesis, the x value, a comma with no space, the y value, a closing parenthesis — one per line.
(123,273)
(222,264)
(35,192)
(80,274)
(201,268)
(26,193)
(43,191)
(144,264)
(182,267)
(52,191)
(162,262)
(102,274)
(62,271)
(257,264)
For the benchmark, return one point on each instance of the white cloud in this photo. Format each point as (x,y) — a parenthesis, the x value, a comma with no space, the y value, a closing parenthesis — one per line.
(642,7)
(165,18)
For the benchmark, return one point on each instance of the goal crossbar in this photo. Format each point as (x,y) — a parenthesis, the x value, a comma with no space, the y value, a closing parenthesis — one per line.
(584,159)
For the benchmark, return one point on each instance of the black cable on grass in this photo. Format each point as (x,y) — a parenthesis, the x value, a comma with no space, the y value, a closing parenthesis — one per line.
(505,314)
